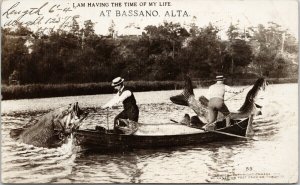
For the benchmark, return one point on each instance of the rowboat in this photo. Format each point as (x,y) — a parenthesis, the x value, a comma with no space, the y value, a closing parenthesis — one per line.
(103,140)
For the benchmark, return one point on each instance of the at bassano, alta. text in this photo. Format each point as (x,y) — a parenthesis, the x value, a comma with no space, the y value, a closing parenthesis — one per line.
(144,13)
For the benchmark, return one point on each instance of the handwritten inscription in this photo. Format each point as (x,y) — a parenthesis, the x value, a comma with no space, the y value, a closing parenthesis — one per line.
(49,16)
(56,8)
(22,13)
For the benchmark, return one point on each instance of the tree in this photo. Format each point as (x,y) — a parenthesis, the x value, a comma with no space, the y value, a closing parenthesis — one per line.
(194,29)
(273,46)
(75,30)
(232,32)
(239,53)
(14,51)
(88,29)
(202,55)
(167,37)
(111,29)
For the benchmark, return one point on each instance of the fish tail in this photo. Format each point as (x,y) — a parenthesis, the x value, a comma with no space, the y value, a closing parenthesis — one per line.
(183,97)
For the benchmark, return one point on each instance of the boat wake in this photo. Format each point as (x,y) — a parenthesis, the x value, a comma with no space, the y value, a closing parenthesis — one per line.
(267,125)
(23,160)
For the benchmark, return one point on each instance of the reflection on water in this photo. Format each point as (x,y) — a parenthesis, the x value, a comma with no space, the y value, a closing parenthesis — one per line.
(273,155)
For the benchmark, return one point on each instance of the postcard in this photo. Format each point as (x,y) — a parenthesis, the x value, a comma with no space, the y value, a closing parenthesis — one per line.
(149,91)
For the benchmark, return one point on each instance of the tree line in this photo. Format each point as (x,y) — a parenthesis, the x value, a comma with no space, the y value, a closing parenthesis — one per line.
(163,52)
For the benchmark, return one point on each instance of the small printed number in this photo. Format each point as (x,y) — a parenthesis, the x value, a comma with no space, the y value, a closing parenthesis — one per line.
(248,168)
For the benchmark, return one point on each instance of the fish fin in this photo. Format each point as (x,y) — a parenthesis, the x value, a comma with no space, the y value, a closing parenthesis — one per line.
(186,120)
(196,122)
(15,133)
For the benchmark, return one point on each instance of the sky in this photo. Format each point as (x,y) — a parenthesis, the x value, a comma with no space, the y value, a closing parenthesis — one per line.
(221,13)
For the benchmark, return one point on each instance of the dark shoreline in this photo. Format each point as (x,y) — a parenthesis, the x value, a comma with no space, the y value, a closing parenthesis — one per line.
(60,90)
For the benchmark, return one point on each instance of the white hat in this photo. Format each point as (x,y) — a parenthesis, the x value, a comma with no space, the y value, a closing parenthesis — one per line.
(117,81)
(220,78)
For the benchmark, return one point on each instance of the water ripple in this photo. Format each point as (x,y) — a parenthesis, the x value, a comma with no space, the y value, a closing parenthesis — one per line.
(275,130)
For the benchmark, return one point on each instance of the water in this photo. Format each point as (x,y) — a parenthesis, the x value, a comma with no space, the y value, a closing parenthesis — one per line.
(273,158)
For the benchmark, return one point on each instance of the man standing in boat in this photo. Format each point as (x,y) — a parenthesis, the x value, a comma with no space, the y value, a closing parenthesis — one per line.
(131,110)
(216,93)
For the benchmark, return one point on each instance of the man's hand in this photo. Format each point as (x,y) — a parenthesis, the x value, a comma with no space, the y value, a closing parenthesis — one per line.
(110,107)
(239,91)
(94,109)
(89,109)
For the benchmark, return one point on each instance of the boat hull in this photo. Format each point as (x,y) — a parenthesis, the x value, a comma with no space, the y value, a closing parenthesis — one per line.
(95,140)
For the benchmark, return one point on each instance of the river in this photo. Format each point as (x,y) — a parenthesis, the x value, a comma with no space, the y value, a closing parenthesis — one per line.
(272,158)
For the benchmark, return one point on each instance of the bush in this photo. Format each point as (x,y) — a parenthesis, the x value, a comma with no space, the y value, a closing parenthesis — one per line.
(58,90)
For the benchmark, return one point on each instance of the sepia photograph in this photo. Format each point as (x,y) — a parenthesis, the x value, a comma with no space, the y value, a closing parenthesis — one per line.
(149,91)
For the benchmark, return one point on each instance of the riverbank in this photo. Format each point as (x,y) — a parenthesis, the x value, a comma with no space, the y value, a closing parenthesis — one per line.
(60,90)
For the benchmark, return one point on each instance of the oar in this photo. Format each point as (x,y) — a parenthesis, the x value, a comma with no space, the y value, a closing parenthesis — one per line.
(220,132)
(88,110)
(107,121)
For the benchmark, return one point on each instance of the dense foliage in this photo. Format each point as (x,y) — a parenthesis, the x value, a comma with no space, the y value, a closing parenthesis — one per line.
(163,52)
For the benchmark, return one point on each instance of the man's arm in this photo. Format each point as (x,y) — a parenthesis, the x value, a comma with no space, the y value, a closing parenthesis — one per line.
(117,99)
(124,95)
(111,102)
(231,90)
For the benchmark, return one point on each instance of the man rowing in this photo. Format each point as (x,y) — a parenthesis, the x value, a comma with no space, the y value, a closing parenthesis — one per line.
(131,110)
(216,102)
